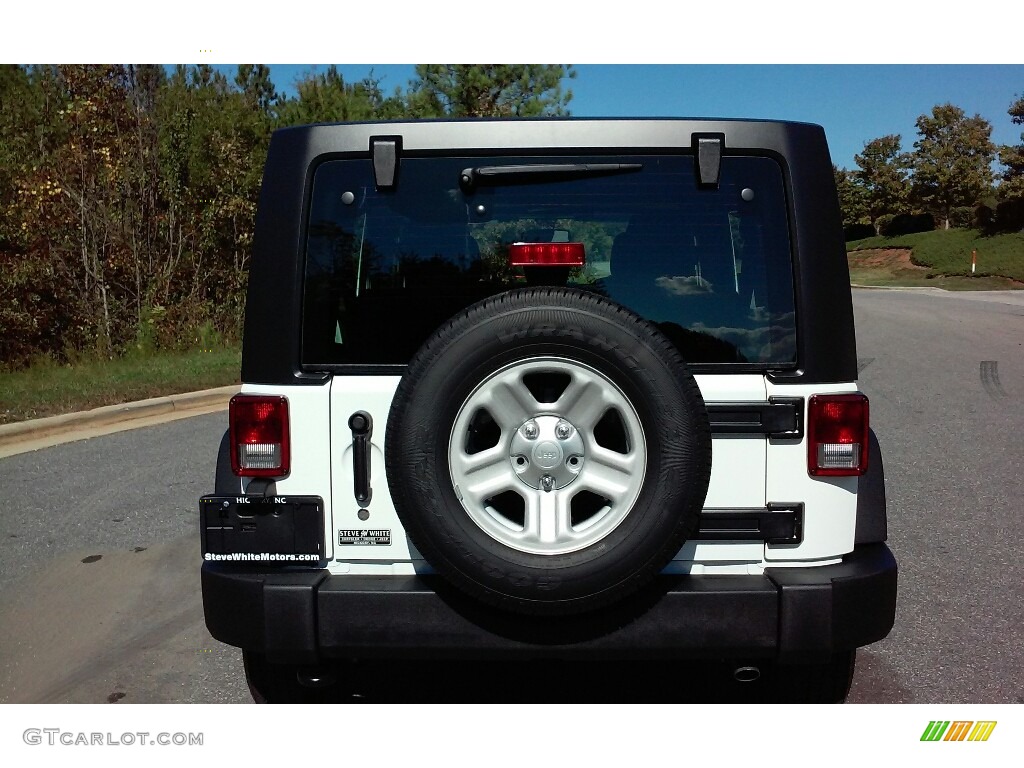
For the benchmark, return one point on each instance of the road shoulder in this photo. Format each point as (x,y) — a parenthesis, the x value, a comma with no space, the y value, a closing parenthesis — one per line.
(24,436)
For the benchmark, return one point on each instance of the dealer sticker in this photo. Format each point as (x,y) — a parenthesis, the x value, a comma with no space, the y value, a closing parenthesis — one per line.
(365,536)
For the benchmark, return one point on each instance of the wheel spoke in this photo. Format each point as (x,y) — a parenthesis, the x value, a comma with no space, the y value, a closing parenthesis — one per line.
(620,465)
(548,518)
(509,403)
(608,473)
(468,463)
(583,402)
(484,474)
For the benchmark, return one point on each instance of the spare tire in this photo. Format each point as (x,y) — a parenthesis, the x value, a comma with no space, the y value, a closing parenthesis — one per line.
(548,451)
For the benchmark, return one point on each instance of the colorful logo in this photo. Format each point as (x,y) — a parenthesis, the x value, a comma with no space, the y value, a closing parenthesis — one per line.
(958,730)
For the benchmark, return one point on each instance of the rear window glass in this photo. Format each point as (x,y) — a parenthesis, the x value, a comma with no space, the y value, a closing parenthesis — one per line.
(710,267)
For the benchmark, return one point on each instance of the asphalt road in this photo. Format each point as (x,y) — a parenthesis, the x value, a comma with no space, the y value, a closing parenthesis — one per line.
(99,571)
(945,376)
(99,555)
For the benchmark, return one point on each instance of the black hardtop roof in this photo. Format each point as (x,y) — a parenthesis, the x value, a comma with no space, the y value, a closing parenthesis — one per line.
(550,119)
(826,350)
(554,133)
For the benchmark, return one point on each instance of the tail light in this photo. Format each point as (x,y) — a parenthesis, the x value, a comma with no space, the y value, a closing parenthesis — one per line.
(837,435)
(546,255)
(259,436)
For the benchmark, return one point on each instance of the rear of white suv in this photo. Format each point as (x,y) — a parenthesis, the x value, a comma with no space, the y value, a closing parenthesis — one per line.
(591,379)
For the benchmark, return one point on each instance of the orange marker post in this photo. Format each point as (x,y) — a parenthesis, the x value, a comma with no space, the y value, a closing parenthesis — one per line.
(974,259)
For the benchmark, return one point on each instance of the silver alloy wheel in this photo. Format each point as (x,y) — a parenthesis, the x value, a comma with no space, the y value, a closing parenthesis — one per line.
(552,482)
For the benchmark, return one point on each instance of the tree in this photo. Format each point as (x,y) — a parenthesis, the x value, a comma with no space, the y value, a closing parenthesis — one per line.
(213,144)
(80,195)
(883,177)
(254,82)
(853,202)
(1012,157)
(17,121)
(38,312)
(952,165)
(489,90)
(326,97)
(128,196)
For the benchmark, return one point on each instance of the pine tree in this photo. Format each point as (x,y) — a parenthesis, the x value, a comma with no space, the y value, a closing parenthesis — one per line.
(489,90)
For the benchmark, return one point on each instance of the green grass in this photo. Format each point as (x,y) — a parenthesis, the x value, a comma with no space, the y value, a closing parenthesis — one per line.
(47,388)
(948,253)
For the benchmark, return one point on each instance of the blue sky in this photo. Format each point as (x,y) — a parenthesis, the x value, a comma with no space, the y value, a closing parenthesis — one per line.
(855,103)
(787,59)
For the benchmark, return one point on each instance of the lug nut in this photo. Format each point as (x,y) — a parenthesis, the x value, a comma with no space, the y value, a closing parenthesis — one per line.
(530,430)
(562,430)
(547,482)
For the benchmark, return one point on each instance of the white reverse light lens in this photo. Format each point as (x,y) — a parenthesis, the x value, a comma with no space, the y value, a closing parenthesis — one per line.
(839,455)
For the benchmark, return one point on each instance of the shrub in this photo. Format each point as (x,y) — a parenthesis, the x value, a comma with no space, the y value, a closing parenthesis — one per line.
(1010,216)
(883,224)
(984,218)
(904,224)
(961,217)
(858,231)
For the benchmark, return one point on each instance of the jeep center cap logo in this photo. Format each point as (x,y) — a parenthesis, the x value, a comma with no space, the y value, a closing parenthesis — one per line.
(547,454)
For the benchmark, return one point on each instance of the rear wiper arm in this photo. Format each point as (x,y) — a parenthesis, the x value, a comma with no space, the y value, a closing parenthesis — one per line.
(496,175)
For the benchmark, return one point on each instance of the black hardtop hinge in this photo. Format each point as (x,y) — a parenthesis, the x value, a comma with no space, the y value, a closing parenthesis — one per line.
(386,152)
(707,151)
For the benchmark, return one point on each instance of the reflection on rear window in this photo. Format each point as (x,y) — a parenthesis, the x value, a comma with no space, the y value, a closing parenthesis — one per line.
(711,268)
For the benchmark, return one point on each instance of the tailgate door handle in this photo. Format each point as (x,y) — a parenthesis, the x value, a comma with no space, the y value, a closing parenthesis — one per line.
(362,428)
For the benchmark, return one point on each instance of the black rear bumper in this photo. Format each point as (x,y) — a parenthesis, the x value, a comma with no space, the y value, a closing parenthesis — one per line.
(789,614)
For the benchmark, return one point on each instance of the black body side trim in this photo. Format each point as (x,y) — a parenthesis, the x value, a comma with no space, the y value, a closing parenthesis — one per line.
(872,523)
(226,482)
(779,417)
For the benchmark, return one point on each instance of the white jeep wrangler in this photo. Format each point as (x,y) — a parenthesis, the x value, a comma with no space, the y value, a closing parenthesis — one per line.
(548,390)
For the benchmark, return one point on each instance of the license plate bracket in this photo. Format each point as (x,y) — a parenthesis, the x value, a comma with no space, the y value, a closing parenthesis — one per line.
(274,530)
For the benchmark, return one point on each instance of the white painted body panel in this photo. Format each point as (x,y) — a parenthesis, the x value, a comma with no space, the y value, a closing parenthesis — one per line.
(308,409)
(372,394)
(737,461)
(747,472)
(830,503)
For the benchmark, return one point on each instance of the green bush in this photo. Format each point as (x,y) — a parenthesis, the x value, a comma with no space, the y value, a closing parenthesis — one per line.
(883,224)
(948,251)
(961,217)
(857,231)
(1010,216)
(904,224)
(984,218)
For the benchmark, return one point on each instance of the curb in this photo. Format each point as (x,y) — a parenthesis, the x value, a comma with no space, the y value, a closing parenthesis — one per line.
(1010,298)
(116,414)
(901,288)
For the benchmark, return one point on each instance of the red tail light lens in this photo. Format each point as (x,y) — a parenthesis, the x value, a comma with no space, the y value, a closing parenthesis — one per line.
(259,436)
(546,255)
(837,435)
